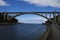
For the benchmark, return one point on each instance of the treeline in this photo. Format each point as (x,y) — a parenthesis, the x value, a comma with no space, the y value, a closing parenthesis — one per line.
(2,20)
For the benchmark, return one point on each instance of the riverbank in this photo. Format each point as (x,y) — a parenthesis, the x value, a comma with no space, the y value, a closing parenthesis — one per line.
(55,33)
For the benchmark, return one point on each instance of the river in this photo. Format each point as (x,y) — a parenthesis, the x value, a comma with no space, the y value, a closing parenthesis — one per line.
(21,31)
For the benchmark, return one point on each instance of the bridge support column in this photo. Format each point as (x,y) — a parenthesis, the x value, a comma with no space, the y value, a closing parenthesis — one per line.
(54,17)
(4,16)
(46,15)
(50,15)
(7,16)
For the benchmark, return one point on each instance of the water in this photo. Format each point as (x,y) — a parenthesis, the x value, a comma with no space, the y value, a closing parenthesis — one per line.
(21,31)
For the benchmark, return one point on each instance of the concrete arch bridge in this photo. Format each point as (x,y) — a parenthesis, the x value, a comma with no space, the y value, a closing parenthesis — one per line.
(46,15)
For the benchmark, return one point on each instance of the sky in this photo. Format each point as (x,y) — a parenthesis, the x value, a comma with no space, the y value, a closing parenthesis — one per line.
(30,6)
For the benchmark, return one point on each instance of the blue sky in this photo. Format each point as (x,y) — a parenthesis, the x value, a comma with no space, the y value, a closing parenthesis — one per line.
(22,6)
(29,6)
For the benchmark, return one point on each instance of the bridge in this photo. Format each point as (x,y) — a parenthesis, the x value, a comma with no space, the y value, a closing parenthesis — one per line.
(46,15)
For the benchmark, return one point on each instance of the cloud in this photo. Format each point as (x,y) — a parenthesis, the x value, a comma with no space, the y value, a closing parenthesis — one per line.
(3,3)
(52,3)
(32,21)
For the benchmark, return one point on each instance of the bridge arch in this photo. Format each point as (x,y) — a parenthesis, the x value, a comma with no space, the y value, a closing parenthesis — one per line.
(35,14)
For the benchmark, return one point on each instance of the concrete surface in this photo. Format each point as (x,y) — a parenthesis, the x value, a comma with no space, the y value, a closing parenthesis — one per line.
(55,33)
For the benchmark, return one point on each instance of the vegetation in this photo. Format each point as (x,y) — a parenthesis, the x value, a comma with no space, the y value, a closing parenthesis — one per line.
(2,20)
